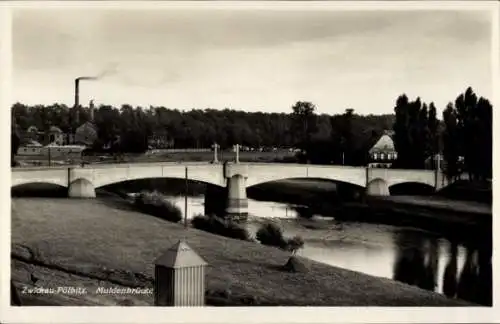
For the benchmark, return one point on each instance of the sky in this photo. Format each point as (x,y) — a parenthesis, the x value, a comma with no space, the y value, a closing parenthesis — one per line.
(253,60)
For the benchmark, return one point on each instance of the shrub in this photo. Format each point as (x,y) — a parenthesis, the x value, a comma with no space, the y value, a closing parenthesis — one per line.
(294,244)
(155,204)
(272,235)
(219,226)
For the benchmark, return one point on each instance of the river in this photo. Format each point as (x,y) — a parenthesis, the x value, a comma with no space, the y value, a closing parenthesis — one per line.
(378,250)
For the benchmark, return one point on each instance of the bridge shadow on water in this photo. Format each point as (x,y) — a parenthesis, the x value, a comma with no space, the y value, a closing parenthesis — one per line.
(417,263)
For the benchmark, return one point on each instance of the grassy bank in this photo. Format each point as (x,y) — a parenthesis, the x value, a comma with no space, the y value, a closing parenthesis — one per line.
(102,236)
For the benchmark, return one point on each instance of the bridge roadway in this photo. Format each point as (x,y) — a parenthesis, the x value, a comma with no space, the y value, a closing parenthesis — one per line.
(82,181)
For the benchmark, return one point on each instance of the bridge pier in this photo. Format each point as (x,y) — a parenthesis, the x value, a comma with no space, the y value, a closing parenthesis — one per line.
(81,188)
(237,202)
(377,187)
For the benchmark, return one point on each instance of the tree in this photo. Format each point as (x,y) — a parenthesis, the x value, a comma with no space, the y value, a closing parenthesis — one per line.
(346,144)
(294,244)
(432,125)
(401,131)
(304,123)
(451,142)
(485,139)
(15,142)
(127,128)
(412,138)
(474,131)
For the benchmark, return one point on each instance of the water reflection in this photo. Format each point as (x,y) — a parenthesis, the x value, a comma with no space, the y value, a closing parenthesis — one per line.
(417,264)
(417,260)
(450,273)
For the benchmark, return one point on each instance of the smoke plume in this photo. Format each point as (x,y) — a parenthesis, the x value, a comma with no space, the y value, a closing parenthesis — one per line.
(106,72)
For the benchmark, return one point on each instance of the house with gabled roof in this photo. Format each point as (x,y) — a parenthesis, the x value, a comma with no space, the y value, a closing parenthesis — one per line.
(383,153)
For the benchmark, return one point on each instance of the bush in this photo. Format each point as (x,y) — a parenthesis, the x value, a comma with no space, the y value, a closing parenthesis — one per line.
(294,244)
(219,226)
(155,204)
(271,234)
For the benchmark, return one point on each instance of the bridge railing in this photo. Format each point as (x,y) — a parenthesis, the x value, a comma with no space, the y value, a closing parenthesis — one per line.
(194,163)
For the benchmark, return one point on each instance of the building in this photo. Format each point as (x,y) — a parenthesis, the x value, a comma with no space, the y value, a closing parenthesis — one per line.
(383,153)
(86,134)
(31,148)
(55,136)
(31,134)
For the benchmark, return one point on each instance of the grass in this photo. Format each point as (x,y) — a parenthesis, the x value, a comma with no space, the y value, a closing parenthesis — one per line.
(88,234)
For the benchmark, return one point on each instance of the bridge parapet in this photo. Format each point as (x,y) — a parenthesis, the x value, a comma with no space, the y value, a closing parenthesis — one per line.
(397,176)
(232,169)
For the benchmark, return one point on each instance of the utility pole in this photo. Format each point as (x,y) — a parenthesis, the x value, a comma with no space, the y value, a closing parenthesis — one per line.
(186,187)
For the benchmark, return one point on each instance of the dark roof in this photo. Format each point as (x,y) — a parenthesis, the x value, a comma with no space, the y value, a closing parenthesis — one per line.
(180,255)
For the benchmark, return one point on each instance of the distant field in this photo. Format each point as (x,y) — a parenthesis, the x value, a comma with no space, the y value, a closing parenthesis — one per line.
(278,156)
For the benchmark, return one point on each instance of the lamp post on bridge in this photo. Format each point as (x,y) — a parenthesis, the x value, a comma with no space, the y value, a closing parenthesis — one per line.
(236,149)
(215,146)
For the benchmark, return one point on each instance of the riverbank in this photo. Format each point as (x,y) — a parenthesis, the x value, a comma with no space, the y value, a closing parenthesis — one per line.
(107,243)
(445,214)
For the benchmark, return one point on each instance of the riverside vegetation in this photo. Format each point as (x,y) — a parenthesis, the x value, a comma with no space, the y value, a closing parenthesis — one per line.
(270,234)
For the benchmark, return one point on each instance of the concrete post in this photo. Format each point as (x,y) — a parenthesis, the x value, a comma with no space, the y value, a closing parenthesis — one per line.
(179,277)
(237,150)
(436,171)
(81,188)
(237,202)
(215,147)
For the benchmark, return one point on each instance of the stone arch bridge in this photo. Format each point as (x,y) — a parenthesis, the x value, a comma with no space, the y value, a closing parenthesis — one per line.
(236,177)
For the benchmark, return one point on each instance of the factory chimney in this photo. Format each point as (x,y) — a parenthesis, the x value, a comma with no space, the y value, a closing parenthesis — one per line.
(91,111)
(77,92)
(77,100)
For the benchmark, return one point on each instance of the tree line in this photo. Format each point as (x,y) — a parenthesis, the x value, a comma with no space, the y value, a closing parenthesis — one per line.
(198,128)
(464,136)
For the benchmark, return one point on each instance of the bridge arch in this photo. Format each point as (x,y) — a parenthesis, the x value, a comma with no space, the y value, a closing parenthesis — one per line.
(26,176)
(203,173)
(323,182)
(411,188)
(264,173)
(49,181)
(39,189)
(152,182)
